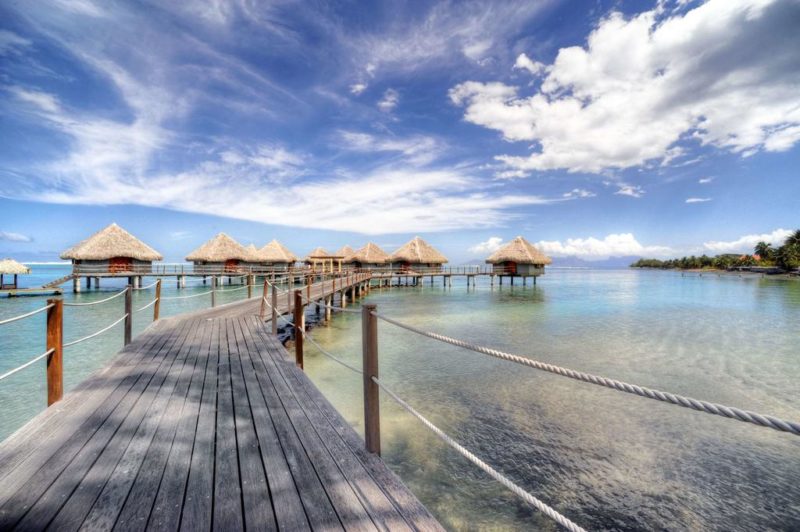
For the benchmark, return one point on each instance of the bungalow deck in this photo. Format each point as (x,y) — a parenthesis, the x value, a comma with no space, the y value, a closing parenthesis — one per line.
(202,422)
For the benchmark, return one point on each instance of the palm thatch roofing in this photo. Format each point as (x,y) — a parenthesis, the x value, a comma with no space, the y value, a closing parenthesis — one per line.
(369,254)
(345,251)
(417,251)
(253,251)
(519,251)
(113,241)
(12,267)
(221,248)
(276,252)
(322,253)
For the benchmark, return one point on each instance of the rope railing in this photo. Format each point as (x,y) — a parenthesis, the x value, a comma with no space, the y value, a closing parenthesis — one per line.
(151,285)
(98,333)
(729,412)
(189,296)
(492,472)
(153,302)
(26,364)
(118,294)
(29,314)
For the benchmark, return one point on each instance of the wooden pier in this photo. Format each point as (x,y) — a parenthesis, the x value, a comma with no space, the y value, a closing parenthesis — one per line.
(202,422)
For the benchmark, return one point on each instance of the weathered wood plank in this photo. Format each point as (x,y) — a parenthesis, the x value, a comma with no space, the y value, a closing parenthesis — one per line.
(47,484)
(227,487)
(133,440)
(197,511)
(256,500)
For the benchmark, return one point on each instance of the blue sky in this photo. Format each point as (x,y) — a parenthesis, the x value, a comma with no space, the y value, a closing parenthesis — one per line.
(592,128)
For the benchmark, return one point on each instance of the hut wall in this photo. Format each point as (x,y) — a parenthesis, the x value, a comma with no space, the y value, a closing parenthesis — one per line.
(530,269)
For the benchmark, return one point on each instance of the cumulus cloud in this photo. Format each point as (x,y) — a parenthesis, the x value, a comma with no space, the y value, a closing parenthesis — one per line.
(634,191)
(477,50)
(613,245)
(8,236)
(487,246)
(389,101)
(697,200)
(746,243)
(358,88)
(524,62)
(645,85)
(578,193)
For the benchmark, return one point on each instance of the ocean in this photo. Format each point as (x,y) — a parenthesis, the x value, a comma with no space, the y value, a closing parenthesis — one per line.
(605,459)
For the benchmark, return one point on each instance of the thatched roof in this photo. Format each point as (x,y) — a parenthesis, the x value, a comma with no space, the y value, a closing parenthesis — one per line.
(417,251)
(253,251)
(369,254)
(219,249)
(12,267)
(344,251)
(520,251)
(113,241)
(322,253)
(276,252)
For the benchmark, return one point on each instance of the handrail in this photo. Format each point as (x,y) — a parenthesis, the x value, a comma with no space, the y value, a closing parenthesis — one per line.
(151,285)
(26,364)
(101,331)
(121,292)
(153,302)
(674,399)
(189,296)
(23,316)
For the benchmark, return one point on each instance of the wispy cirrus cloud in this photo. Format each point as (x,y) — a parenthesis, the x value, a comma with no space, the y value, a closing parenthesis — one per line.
(10,236)
(697,200)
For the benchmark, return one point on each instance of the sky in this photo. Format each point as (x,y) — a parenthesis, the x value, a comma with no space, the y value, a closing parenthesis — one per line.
(592,128)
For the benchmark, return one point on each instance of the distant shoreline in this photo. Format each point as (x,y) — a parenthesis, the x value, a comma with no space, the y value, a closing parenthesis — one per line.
(719,272)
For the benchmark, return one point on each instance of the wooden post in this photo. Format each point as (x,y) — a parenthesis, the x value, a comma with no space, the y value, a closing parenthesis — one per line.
(263,311)
(213,290)
(274,309)
(309,280)
(157,304)
(369,349)
(55,341)
(249,287)
(128,315)
(298,328)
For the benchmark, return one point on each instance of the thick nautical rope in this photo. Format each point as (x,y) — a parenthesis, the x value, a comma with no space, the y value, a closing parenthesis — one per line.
(23,316)
(121,292)
(101,331)
(730,412)
(492,472)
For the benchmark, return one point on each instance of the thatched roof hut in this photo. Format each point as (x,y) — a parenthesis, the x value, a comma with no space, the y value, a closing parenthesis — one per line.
(319,253)
(109,243)
(419,252)
(276,253)
(370,255)
(321,257)
(11,267)
(519,257)
(344,252)
(220,250)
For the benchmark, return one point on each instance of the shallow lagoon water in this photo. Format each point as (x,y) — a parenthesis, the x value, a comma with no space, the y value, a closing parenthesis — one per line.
(605,459)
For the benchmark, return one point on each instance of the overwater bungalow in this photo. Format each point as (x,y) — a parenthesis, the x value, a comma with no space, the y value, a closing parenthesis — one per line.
(11,267)
(276,256)
(112,250)
(344,252)
(322,261)
(254,260)
(518,258)
(220,254)
(417,254)
(368,257)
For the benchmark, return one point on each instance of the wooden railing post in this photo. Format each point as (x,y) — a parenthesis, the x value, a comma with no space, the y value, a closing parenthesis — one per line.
(274,309)
(249,286)
(157,304)
(128,315)
(263,311)
(213,290)
(369,348)
(299,325)
(55,341)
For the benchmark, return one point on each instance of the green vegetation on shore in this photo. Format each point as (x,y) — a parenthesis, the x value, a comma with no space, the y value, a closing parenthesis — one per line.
(785,257)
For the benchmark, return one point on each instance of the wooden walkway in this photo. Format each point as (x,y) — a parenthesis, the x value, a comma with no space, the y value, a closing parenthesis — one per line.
(201,423)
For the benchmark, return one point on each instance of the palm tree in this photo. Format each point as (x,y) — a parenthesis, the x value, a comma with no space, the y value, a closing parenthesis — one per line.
(793,239)
(764,250)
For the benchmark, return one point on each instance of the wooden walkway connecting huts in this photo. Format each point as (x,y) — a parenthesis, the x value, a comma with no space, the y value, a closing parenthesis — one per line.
(202,422)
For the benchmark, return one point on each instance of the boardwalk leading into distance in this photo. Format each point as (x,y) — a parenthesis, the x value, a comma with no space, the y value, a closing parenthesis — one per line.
(200,423)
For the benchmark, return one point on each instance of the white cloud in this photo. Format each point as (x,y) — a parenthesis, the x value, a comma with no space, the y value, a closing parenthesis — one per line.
(511,174)
(8,236)
(697,200)
(613,245)
(389,101)
(11,43)
(705,180)
(524,62)
(634,191)
(643,84)
(358,88)
(746,243)
(477,50)
(578,193)
(416,149)
(487,246)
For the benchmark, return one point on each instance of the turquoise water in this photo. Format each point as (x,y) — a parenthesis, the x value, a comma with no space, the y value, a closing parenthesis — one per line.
(24,394)
(606,459)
